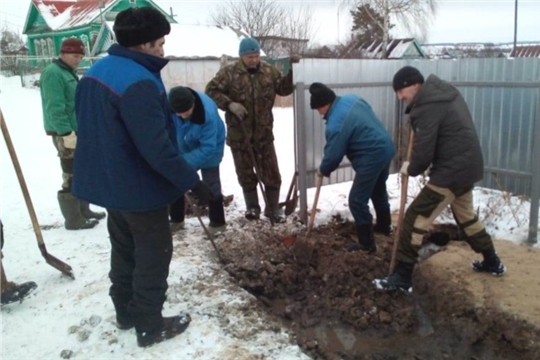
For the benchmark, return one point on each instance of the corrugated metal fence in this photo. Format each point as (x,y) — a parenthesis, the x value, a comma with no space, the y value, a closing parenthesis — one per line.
(503,96)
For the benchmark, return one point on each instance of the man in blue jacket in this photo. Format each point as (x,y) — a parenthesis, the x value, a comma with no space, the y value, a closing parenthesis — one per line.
(200,133)
(127,161)
(353,130)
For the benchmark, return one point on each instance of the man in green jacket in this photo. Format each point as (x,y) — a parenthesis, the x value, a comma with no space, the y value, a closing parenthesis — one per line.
(58,82)
(246,91)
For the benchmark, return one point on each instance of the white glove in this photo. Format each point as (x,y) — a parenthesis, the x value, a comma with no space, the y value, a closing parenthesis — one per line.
(70,140)
(405,168)
(238,110)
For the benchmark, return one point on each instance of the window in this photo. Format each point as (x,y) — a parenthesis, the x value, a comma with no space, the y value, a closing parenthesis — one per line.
(50,46)
(37,46)
(84,39)
(44,50)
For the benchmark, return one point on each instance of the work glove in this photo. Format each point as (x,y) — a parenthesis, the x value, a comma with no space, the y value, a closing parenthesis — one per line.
(202,192)
(295,59)
(70,140)
(405,168)
(238,110)
(319,173)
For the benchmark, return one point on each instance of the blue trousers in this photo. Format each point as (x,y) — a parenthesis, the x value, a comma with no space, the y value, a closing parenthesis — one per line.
(369,183)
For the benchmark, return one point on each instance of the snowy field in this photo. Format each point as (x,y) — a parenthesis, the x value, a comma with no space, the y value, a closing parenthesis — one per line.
(77,315)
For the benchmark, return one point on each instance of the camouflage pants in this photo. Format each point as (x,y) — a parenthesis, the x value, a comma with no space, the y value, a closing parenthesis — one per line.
(429,204)
(266,164)
(66,162)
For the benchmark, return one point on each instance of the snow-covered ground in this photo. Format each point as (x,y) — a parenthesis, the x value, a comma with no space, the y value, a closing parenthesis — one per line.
(77,315)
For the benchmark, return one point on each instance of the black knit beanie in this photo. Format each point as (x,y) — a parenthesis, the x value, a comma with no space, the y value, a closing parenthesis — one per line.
(181,99)
(407,76)
(135,26)
(321,95)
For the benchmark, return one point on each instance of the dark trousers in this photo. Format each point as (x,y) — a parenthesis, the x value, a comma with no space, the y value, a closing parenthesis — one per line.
(211,178)
(141,251)
(267,164)
(369,184)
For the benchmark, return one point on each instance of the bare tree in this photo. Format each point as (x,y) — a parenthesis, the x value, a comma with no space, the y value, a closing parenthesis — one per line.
(278,27)
(259,18)
(414,15)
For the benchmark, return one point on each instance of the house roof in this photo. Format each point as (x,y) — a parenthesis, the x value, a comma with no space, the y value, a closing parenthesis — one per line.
(395,50)
(526,51)
(65,14)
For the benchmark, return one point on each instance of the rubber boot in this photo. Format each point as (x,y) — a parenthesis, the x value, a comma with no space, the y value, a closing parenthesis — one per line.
(172,326)
(272,208)
(87,213)
(384,223)
(71,210)
(253,210)
(216,213)
(400,279)
(366,241)
(16,292)
(491,264)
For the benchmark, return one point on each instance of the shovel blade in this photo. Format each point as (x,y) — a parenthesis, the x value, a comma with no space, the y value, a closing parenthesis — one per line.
(60,266)
(303,251)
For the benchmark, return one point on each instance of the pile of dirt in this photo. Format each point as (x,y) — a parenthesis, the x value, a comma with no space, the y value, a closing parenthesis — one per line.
(325,296)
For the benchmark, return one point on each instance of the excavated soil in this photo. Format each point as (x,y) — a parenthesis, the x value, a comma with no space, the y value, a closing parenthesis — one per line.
(325,295)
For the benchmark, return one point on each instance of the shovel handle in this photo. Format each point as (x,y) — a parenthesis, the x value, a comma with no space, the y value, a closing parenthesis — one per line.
(403,201)
(314,207)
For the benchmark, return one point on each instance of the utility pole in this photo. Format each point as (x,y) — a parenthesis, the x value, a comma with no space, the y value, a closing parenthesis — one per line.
(515,26)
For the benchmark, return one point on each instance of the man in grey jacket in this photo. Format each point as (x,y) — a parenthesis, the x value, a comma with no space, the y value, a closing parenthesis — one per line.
(446,140)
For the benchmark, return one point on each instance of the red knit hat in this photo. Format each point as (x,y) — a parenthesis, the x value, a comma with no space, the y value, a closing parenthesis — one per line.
(72,46)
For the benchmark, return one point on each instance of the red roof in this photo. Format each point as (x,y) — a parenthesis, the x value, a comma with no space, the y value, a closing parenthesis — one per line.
(71,13)
(526,51)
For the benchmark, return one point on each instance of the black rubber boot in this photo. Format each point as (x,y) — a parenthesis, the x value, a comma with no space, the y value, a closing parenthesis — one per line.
(253,210)
(272,208)
(172,326)
(71,210)
(400,279)
(16,292)
(491,264)
(87,213)
(384,224)
(366,241)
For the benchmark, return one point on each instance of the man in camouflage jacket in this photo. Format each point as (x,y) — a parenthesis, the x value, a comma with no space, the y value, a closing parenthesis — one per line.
(246,92)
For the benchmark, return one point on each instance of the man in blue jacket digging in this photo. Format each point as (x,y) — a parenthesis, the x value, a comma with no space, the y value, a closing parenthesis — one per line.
(200,133)
(353,129)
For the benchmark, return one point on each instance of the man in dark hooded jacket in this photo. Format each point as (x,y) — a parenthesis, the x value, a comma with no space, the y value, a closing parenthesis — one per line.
(446,140)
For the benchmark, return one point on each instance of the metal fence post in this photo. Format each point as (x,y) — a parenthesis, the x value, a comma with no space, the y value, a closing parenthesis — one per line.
(300,121)
(535,181)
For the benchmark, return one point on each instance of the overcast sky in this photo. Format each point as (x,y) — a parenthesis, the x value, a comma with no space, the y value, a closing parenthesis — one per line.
(456,21)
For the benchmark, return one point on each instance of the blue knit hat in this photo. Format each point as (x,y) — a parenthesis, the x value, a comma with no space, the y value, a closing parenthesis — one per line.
(249,46)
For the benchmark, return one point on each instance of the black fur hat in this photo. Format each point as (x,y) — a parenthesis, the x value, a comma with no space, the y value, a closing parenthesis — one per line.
(135,26)
(321,95)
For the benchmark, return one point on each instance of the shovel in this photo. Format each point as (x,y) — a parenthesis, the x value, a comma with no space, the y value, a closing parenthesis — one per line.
(304,249)
(51,260)
(291,203)
(403,201)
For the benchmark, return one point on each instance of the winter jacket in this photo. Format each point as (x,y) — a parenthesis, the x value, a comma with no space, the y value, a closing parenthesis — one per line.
(201,138)
(126,157)
(256,91)
(58,82)
(444,136)
(353,129)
